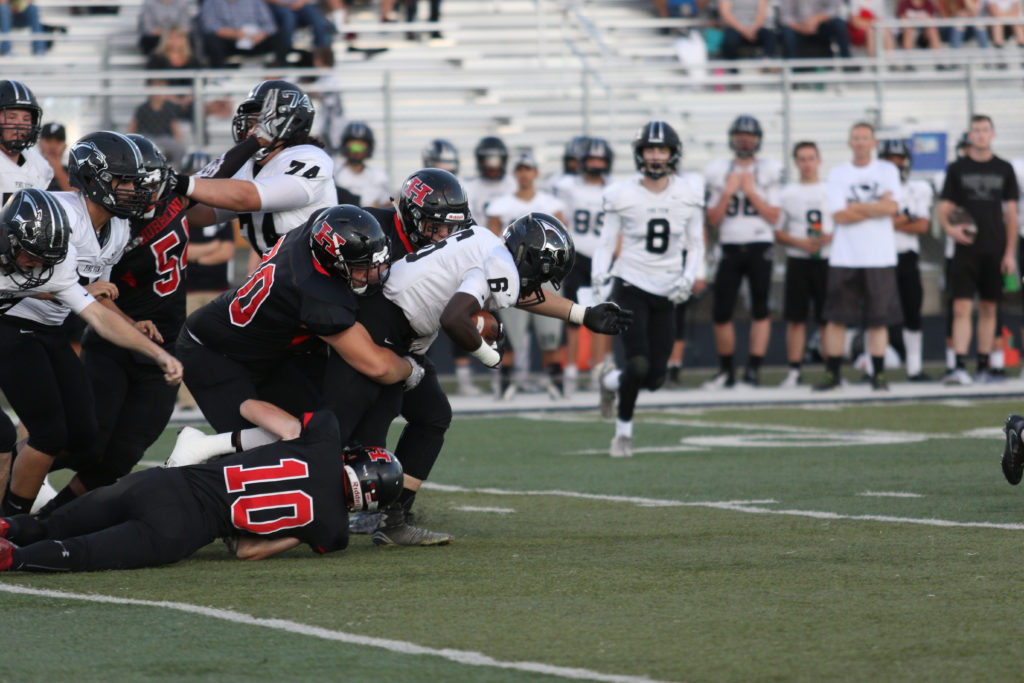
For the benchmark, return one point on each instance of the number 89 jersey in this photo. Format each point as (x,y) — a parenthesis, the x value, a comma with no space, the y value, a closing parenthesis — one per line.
(742,224)
(656,230)
(584,211)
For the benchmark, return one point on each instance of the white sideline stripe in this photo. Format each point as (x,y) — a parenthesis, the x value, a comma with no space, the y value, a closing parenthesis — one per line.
(402,647)
(890,494)
(734,505)
(475,508)
(645,449)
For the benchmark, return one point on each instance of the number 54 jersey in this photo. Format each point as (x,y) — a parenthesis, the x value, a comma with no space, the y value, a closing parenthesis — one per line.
(657,231)
(474,261)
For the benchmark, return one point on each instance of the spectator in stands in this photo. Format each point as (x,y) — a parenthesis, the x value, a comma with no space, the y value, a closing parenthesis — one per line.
(863,196)
(156,119)
(20,14)
(435,16)
(915,10)
(984,189)
(159,16)
(174,52)
(808,22)
(864,14)
(686,9)
(52,144)
(232,27)
(962,9)
(1005,9)
(744,22)
(290,14)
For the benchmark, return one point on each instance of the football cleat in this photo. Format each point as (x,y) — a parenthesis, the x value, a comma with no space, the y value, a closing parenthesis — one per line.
(621,447)
(722,380)
(878,383)
(831,382)
(607,396)
(792,380)
(1013,453)
(396,530)
(957,376)
(6,554)
(751,377)
(186,451)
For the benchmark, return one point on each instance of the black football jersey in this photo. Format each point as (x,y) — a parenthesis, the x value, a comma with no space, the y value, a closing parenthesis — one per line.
(388,219)
(287,300)
(290,488)
(150,275)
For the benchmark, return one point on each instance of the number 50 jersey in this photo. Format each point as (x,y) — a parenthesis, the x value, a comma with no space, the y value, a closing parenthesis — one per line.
(657,230)
(474,261)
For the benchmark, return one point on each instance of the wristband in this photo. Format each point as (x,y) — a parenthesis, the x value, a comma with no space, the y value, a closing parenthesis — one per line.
(576,314)
(486,355)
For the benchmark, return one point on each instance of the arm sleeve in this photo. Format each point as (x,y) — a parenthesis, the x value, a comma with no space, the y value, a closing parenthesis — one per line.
(228,164)
(283,192)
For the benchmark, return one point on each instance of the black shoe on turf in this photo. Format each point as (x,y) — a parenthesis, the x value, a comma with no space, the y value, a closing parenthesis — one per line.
(831,382)
(1013,453)
(878,383)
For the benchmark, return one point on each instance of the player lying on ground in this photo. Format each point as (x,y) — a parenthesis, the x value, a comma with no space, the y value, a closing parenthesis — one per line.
(272,498)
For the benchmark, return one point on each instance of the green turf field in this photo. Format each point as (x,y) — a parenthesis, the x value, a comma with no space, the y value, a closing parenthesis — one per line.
(854,543)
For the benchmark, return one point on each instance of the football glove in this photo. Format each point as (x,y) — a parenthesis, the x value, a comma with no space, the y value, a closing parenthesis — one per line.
(607,318)
(682,291)
(416,376)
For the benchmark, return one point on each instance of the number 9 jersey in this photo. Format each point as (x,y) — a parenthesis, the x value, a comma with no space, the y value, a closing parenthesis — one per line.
(657,231)
(742,224)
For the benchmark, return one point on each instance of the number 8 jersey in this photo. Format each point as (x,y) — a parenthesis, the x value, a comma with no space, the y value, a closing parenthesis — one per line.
(742,224)
(657,230)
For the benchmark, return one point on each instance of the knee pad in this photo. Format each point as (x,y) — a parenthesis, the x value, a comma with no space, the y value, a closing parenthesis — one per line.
(638,367)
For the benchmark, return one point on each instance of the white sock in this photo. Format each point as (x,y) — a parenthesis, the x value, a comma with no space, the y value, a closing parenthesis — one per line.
(997,360)
(255,436)
(611,380)
(624,428)
(912,343)
(214,444)
(464,375)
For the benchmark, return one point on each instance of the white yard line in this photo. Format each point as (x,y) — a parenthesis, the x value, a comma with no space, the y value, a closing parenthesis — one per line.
(466,657)
(890,494)
(475,508)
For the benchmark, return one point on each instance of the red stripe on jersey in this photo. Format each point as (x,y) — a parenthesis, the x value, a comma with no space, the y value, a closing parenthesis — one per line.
(402,236)
(306,417)
(321,269)
(298,339)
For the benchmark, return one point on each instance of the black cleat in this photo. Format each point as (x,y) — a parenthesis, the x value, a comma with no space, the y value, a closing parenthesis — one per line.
(1013,453)
(878,383)
(831,382)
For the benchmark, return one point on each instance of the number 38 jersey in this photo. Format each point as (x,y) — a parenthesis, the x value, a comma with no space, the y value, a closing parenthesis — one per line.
(292,184)
(657,230)
(288,299)
(474,261)
(287,488)
(742,223)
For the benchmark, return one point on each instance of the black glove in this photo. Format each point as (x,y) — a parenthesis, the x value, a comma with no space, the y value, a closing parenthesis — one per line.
(607,318)
(177,183)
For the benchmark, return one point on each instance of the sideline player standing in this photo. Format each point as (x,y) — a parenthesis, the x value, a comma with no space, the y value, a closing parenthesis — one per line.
(20,121)
(660,217)
(743,205)
(493,180)
(357,183)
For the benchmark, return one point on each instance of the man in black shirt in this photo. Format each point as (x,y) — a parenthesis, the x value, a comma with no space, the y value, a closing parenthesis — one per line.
(984,189)
(271,498)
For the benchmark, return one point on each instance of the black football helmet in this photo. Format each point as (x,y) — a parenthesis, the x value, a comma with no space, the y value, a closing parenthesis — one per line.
(751,126)
(897,151)
(345,236)
(575,150)
(430,197)
(194,162)
(543,252)
(156,168)
(292,102)
(657,134)
(440,153)
(16,95)
(374,477)
(598,148)
(32,221)
(491,157)
(358,132)
(97,160)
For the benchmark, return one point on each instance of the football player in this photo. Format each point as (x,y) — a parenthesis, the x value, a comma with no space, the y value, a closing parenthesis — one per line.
(572,163)
(20,122)
(440,153)
(805,228)
(660,218)
(501,212)
(286,179)
(583,197)
(742,200)
(912,221)
(356,182)
(493,181)
(46,386)
(269,499)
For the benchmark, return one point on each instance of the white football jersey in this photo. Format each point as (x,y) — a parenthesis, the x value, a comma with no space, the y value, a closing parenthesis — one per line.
(63,284)
(482,192)
(510,207)
(371,185)
(286,205)
(34,171)
(801,206)
(474,261)
(556,183)
(742,224)
(584,213)
(93,260)
(661,233)
(916,200)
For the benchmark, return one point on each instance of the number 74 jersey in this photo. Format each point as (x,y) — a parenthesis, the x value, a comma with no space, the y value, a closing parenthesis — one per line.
(658,230)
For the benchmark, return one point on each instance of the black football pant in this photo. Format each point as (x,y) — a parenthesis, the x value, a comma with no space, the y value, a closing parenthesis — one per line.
(364,408)
(148,518)
(908,282)
(647,343)
(428,415)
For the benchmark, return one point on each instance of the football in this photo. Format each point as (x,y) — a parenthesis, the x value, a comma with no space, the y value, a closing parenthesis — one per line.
(488,327)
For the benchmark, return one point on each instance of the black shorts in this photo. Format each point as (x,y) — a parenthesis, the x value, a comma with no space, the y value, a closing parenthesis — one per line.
(752,261)
(908,280)
(806,285)
(863,296)
(972,272)
(578,277)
